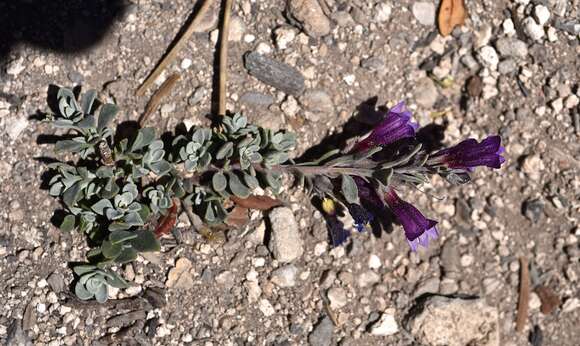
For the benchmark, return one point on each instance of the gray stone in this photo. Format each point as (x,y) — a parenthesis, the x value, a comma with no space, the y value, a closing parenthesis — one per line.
(317,103)
(532,29)
(533,210)
(56,282)
(374,64)
(257,99)
(274,73)
(511,47)
(321,335)
(443,321)
(507,66)
(197,96)
(310,15)
(426,93)
(285,276)
(286,242)
(424,12)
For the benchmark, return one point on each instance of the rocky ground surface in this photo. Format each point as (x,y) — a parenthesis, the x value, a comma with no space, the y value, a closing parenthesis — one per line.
(511,69)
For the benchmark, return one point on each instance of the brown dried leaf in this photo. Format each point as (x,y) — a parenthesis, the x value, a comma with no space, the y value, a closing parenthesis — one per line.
(238,217)
(257,202)
(550,301)
(451,14)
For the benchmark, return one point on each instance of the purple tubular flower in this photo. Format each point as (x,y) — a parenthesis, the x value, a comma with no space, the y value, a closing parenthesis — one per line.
(396,125)
(470,154)
(418,229)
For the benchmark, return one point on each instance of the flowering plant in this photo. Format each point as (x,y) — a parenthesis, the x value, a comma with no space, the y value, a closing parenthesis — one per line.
(124,191)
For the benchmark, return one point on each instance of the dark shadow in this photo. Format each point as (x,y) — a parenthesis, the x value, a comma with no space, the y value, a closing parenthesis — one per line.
(431,136)
(65,26)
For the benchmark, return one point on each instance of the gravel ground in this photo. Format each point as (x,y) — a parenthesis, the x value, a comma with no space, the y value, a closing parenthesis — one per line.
(511,69)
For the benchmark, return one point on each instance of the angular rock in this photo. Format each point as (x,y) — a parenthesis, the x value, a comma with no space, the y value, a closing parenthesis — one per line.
(424,12)
(321,335)
(285,276)
(274,73)
(426,93)
(310,15)
(180,277)
(317,103)
(386,325)
(511,47)
(286,243)
(532,29)
(337,297)
(443,321)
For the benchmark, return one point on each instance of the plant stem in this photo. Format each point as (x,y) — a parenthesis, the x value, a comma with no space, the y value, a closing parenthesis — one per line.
(224,57)
(175,49)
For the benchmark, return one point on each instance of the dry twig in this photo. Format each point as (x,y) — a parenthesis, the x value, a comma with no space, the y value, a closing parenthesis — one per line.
(524,299)
(175,49)
(158,96)
(224,57)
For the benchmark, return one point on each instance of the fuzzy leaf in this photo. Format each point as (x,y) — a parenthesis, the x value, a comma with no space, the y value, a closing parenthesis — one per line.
(111,250)
(225,151)
(144,137)
(82,269)
(101,205)
(118,237)
(68,224)
(81,292)
(71,196)
(127,255)
(237,187)
(145,242)
(251,181)
(69,145)
(113,279)
(88,101)
(106,114)
(219,182)
(349,189)
(101,294)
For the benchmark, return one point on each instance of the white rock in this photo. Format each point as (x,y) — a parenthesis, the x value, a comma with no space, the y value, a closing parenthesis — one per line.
(488,56)
(266,307)
(349,79)
(337,297)
(284,36)
(508,27)
(253,290)
(467,260)
(237,29)
(249,38)
(290,106)
(15,67)
(542,14)
(387,325)
(320,248)
(557,105)
(382,12)
(15,127)
(263,48)
(532,29)
(374,262)
(424,12)
(286,242)
(186,63)
(571,101)
(455,322)
(285,276)
(552,34)
(535,302)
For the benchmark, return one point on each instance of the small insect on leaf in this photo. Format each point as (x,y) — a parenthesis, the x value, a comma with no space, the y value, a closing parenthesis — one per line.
(451,14)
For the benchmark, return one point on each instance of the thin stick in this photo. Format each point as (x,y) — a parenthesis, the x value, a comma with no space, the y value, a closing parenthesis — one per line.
(224,57)
(524,299)
(175,49)
(158,96)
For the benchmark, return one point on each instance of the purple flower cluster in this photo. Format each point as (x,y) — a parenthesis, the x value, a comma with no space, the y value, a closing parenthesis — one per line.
(464,156)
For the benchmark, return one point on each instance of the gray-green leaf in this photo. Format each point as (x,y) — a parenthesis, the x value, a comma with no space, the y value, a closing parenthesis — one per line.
(349,189)
(219,182)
